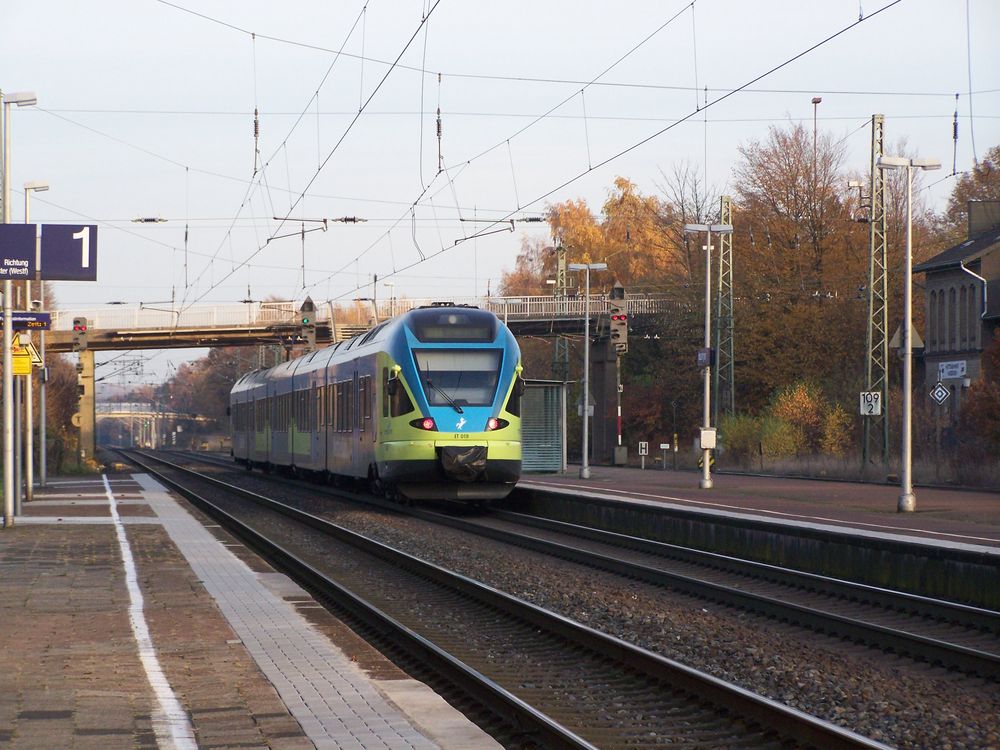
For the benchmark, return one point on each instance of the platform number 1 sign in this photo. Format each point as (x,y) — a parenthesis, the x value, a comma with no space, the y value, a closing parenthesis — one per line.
(871,404)
(84,236)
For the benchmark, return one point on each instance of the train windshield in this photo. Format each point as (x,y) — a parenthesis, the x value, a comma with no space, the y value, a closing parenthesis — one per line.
(459,377)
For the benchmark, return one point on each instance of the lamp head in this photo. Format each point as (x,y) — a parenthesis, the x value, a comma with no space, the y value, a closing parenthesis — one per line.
(817,99)
(39,186)
(21,98)
(892,162)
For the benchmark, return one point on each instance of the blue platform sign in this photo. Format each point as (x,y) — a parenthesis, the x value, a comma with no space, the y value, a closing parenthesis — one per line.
(69,252)
(17,252)
(29,321)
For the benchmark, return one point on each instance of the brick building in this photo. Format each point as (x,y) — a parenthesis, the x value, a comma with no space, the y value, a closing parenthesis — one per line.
(962,305)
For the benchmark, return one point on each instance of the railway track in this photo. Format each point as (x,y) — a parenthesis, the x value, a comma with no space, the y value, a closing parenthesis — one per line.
(564,684)
(947,634)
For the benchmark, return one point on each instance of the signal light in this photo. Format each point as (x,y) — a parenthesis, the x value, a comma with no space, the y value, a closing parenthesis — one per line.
(494,423)
(79,334)
(424,423)
(619,328)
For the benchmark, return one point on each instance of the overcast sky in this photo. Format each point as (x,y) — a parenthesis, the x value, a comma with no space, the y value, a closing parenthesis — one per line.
(145,109)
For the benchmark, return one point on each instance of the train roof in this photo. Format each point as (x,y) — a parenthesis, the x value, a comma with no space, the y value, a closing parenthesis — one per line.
(433,323)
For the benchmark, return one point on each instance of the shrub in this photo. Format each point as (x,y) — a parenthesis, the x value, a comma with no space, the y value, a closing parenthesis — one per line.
(780,438)
(740,436)
(836,431)
(801,405)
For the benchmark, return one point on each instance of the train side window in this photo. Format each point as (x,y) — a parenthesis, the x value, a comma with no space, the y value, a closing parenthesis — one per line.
(399,401)
(514,402)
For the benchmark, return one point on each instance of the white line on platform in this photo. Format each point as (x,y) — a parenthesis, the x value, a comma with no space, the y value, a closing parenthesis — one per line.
(170,722)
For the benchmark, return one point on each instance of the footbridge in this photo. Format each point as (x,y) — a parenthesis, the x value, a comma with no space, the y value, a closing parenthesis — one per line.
(144,326)
(116,327)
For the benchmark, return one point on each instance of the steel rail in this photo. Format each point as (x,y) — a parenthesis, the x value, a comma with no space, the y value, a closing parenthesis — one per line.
(807,730)
(547,731)
(932,650)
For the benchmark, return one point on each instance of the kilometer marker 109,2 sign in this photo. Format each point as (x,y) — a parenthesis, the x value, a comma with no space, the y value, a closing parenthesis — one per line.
(871,404)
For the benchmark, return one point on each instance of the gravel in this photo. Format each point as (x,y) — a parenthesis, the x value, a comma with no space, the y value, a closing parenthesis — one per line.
(894,700)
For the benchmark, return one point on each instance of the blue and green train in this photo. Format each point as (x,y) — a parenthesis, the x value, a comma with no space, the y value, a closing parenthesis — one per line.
(426,405)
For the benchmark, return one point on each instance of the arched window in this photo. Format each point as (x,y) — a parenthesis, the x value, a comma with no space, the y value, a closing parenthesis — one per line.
(963,319)
(952,320)
(932,338)
(940,321)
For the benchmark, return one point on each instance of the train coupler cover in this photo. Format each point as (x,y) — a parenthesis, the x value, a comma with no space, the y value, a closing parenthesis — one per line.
(464,463)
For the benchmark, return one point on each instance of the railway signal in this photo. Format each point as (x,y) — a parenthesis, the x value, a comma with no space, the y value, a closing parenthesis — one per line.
(79,334)
(619,328)
(307,321)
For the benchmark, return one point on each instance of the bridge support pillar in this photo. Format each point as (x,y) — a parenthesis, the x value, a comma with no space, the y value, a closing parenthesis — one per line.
(604,386)
(86,406)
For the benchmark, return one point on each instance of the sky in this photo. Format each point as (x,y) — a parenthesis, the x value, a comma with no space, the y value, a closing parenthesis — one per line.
(146,110)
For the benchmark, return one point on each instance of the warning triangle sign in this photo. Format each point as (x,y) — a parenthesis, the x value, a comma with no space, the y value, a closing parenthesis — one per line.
(897,338)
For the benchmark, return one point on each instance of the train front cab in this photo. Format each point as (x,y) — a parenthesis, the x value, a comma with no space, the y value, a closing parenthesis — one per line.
(455,432)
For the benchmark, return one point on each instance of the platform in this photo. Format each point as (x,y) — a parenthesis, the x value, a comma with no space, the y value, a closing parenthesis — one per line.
(948,516)
(131,621)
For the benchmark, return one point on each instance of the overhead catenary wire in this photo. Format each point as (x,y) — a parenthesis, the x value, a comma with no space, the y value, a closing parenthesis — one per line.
(534,120)
(490,228)
(571,81)
(284,141)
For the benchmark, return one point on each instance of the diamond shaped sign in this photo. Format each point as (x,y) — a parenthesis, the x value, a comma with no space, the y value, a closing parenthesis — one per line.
(939,393)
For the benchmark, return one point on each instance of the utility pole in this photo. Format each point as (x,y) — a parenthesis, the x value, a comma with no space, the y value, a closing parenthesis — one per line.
(876,428)
(725,380)
(560,353)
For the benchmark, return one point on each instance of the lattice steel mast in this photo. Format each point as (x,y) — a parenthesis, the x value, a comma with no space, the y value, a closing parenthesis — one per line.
(876,428)
(724,381)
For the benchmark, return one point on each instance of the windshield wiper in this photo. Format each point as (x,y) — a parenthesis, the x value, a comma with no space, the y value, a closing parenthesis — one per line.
(447,398)
(445,395)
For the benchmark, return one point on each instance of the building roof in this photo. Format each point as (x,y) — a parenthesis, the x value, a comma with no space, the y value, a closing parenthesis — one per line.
(970,250)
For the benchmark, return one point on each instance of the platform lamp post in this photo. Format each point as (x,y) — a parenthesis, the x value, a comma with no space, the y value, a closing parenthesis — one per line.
(907,500)
(21,99)
(35,186)
(587,268)
(707,433)
(391,285)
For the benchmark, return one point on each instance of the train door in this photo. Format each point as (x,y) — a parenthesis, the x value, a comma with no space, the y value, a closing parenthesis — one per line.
(356,434)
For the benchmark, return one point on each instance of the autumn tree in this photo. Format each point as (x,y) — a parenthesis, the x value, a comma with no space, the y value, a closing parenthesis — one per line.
(690,201)
(981,183)
(534,264)
(800,268)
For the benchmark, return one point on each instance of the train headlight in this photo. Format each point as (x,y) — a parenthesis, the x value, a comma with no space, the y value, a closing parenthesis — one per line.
(425,423)
(495,424)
